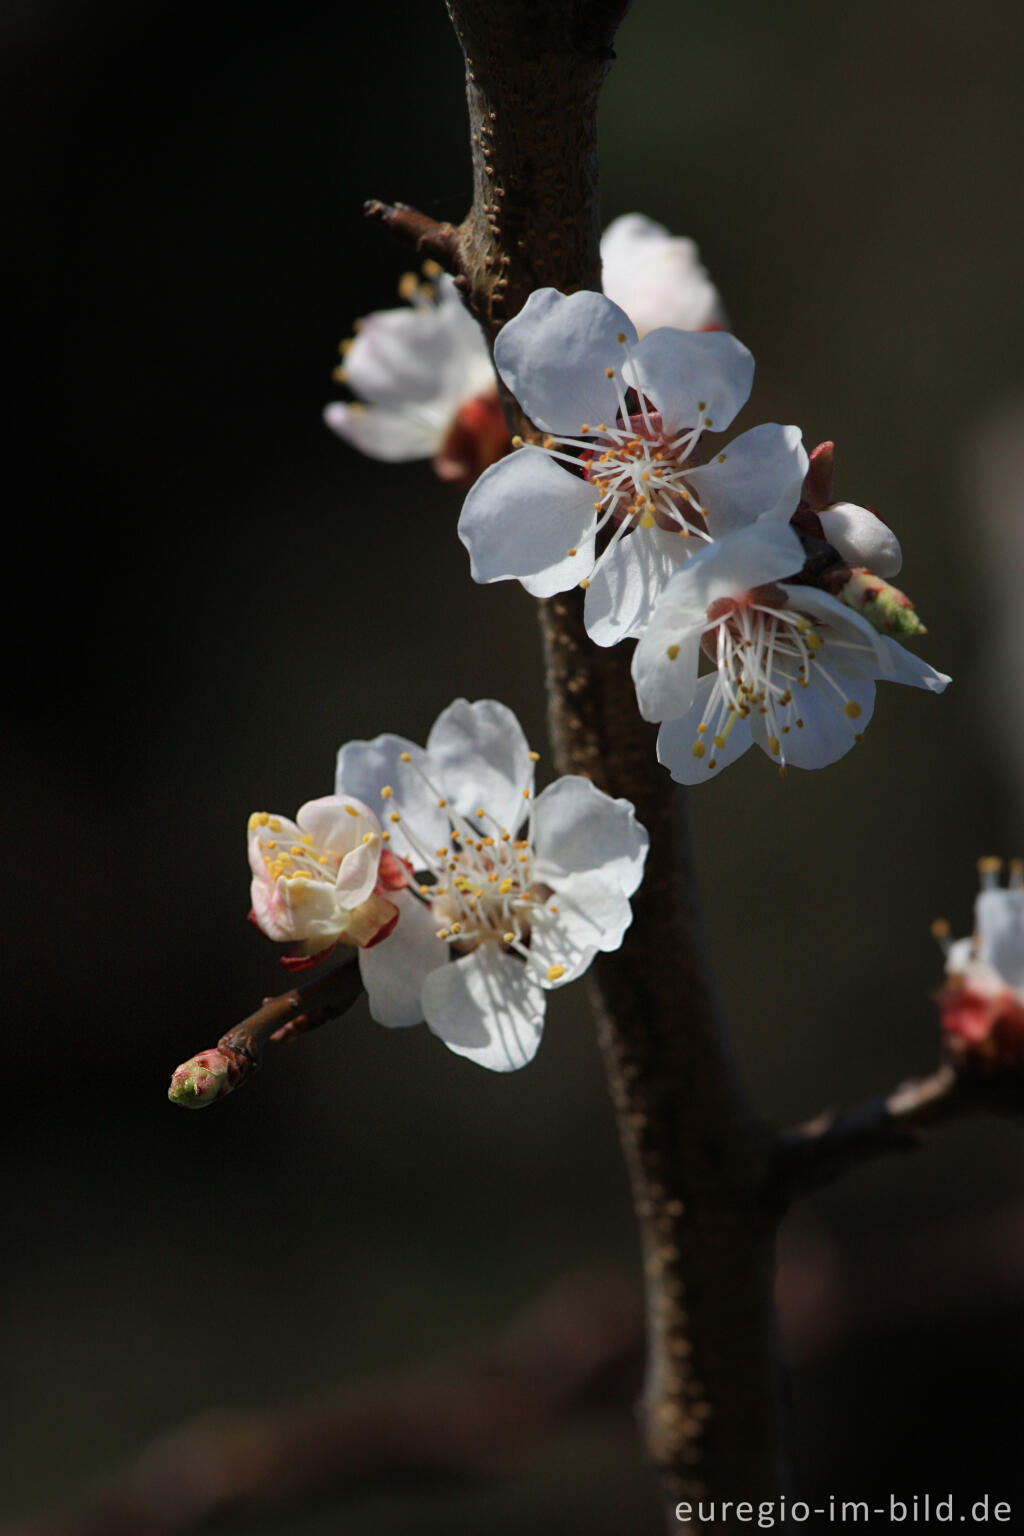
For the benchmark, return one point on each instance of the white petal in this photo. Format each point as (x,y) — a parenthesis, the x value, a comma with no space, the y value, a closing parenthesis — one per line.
(676,742)
(483,760)
(901,666)
(827,733)
(693,379)
(657,278)
(336,823)
(521,518)
(393,434)
(367,767)
(587,913)
(553,357)
(401,355)
(665,665)
(625,586)
(485,1007)
(578,828)
(862,538)
(395,970)
(999,919)
(308,909)
(752,557)
(760,474)
(847,625)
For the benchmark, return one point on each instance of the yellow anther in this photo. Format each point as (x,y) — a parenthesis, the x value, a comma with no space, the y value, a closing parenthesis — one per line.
(273,823)
(526,794)
(609,373)
(548,442)
(989,865)
(620,338)
(702,405)
(492,878)
(297,848)
(369,837)
(556,972)
(517,441)
(385,793)
(720,459)
(345,347)
(799,725)
(442,803)
(440,852)
(408,283)
(584,427)
(773,745)
(684,533)
(456,928)
(284,858)
(647,521)
(783,770)
(385,837)
(442,933)
(571,552)
(406,757)
(506,885)
(425,890)
(940,929)
(480,811)
(707,421)
(534,757)
(602,426)
(584,583)
(553,909)
(508,938)
(672,651)
(394,816)
(339,375)
(271,842)
(698,749)
(254,821)
(852,708)
(813,641)
(505,834)
(432,270)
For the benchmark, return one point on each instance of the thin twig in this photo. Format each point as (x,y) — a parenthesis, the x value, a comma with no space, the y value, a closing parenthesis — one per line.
(329,990)
(427,236)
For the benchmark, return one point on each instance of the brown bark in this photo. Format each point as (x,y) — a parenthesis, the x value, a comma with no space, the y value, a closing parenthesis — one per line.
(696,1156)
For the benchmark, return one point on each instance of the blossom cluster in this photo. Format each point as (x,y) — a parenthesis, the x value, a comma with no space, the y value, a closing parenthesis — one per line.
(469,896)
(761,605)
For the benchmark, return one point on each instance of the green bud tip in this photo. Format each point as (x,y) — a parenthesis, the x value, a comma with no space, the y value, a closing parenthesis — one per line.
(885,607)
(201,1080)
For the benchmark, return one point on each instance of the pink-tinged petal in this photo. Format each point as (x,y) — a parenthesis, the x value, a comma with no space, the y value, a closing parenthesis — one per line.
(578,829)
(759,475)
(367,767)
(394,434)
(554,354)
(336,823)
(861,538)
(695,379)
(357,874)
(267,912)
(395,971)
(587,913)
(486,1007)
(370,923)
(999,919)
(479,753)
(522,517)
(677,738)
(626,585)
(828,733)
(277,830)
(657,278)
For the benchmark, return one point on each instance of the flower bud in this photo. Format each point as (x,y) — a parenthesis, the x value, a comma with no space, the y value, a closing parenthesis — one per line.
(202,1079)
(885,607)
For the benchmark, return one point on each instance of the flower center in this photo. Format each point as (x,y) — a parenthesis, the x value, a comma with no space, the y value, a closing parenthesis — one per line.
(764,652)
(300,859)
(480,884)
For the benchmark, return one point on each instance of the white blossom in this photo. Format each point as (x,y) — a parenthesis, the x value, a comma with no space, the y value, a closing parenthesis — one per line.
(313,879)
(511,894)
(622,489)
(793,669)
(657,277)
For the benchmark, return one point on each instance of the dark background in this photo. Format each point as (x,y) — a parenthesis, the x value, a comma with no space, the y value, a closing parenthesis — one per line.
(208,593)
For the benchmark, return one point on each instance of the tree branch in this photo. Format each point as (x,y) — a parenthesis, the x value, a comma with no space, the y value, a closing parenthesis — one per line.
(578,1347)
(835,1143)
(330,990)
(697,1158)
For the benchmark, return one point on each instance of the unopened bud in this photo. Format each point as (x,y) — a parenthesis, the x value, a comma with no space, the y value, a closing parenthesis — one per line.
(202,1079)
(885,607)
